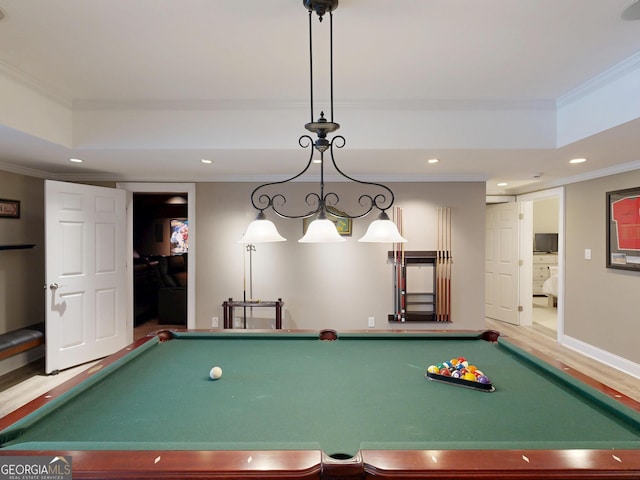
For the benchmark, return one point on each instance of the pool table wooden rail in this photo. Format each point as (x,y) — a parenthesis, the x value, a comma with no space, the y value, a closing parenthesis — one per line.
(378,464)
(313,464)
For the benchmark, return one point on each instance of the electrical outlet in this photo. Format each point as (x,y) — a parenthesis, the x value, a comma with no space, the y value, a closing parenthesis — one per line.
(214,322)
(372,322)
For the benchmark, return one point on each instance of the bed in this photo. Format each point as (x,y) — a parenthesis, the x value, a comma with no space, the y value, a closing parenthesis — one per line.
(550,286)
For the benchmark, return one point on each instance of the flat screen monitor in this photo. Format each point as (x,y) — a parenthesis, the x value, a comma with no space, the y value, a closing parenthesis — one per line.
(545,242)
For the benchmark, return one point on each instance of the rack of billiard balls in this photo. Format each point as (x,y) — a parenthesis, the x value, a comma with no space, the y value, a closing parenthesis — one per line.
(458,371)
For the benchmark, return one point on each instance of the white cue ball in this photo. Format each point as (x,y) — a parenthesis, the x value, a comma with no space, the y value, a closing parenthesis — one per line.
(215,373)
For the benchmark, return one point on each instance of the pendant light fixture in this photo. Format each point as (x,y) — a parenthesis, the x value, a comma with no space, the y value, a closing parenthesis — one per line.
(318,203)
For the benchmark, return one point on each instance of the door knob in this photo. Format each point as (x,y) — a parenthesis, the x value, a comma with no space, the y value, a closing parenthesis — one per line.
(54,286)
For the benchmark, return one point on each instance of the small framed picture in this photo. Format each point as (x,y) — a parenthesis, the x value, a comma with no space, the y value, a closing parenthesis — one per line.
(623,223)
(9,208)
(343,224)
(179,236)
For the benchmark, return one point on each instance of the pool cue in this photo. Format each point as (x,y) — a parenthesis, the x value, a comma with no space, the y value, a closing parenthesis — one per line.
(447,264)
(439,270)
(398,273)
(396,266)
(403,306)
(443,265)
(443,269)
(396,284)
(399,268)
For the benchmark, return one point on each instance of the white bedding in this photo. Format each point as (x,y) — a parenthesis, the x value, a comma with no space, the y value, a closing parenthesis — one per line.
(550,285)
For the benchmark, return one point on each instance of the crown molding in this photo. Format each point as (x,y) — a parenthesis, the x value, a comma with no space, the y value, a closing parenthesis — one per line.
(583,177)
(34,84)
(610,75)
(105,177)
(525,189)
(29,172)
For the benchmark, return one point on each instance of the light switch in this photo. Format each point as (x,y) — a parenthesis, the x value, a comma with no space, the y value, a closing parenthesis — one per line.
(587,254)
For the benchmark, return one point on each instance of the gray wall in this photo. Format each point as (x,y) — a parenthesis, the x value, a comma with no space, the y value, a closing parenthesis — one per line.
(335,285)
(22,271)
(602,305)
(339,286)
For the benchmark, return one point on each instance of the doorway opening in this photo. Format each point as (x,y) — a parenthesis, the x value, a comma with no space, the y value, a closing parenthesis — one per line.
(545,265)
(161,227)
(160,255)
(546,242)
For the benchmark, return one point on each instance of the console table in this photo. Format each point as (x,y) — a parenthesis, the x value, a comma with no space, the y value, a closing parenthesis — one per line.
(230,304)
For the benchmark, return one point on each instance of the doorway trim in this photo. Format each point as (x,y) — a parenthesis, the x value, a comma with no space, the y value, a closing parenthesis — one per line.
(190,189)
(527,241)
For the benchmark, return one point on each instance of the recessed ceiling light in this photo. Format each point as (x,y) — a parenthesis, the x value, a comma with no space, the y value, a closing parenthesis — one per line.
(578,160)
(433,160)
(206,161)
(76,160)
(503,184)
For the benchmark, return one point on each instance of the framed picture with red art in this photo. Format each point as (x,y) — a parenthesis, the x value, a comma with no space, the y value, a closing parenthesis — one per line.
(623,224)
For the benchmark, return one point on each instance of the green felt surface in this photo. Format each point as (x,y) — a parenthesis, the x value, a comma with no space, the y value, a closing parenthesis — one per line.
(296,392)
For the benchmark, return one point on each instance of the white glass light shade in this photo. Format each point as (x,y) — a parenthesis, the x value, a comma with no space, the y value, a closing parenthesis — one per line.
(261,230)
(383,230)
(321,230)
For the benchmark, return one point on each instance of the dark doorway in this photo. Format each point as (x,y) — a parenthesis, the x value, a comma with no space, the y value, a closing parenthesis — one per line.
(160,240)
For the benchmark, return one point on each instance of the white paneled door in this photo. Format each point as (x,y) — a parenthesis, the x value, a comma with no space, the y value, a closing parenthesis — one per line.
(86,311)
(501,262)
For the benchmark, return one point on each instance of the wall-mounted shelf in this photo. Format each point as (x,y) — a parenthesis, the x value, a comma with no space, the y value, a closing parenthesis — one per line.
(16,246)
(415,293)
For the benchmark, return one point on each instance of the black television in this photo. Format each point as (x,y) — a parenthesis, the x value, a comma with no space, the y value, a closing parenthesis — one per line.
(545,242)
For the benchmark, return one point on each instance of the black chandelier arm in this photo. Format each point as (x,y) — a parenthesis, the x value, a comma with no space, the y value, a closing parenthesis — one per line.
(379,201)
(331,199)
(320,202)
(263,201)
(311,199)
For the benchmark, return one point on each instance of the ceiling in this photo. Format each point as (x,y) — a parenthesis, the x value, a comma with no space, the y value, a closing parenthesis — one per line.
(145,89)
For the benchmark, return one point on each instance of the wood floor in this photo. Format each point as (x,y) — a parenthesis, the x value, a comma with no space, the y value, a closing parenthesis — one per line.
(541,339)
(28,382)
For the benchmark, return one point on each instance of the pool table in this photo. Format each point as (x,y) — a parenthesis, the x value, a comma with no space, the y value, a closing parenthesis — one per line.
(328,405)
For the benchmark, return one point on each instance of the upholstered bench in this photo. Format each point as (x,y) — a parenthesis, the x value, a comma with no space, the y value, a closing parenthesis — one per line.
(21,340)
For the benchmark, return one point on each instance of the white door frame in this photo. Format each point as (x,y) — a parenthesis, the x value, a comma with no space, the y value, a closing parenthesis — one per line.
(526,245)
(190,189)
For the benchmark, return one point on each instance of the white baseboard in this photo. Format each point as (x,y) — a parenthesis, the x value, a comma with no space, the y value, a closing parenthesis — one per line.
(602,356)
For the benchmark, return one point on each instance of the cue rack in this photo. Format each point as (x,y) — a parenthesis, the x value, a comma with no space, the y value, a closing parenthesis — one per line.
(420,297)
